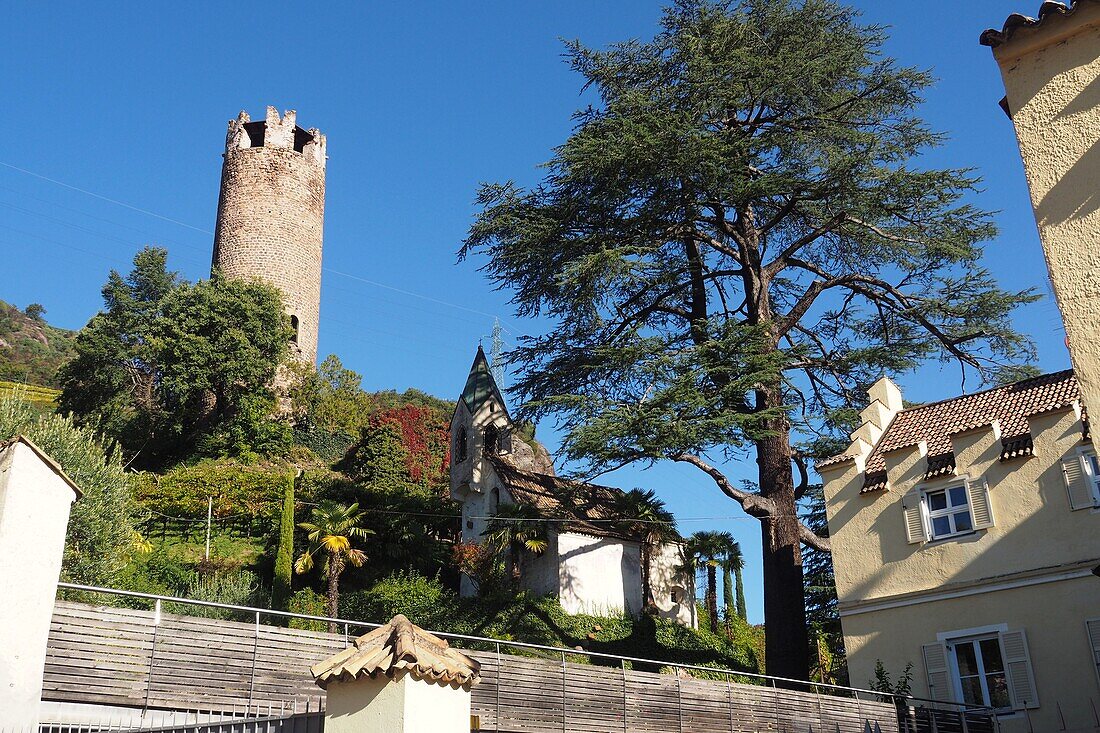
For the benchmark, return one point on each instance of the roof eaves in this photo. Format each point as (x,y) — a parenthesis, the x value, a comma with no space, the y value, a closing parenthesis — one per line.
(45,458)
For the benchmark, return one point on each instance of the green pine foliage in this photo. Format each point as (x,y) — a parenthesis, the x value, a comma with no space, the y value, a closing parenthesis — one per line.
(101,536)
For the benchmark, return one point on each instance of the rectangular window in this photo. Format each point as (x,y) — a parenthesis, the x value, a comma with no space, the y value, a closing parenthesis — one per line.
(948,512)
(1092,474)
(980,672)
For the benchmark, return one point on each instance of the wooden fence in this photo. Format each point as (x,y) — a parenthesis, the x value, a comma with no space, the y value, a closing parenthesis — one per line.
(133,658)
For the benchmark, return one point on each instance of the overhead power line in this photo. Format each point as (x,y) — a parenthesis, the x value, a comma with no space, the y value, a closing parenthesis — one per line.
(171,220)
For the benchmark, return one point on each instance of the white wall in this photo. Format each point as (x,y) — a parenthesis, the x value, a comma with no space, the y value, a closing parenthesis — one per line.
(666,574)
(34,512)
(598,575)
(435,708)
(402,705)
(366,704)
(540,572)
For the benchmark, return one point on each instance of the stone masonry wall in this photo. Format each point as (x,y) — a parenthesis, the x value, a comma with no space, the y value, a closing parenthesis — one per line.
(271,218)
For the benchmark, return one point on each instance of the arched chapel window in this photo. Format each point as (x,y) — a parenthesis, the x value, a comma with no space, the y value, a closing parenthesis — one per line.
(460,446)
(294,327)
(492,439)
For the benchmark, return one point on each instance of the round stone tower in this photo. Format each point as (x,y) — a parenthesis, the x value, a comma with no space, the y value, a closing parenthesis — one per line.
(271,214)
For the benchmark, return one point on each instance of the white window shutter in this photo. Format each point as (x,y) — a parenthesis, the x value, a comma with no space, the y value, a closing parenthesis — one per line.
(935,666)
(1077,483)
(981,510)
(914,518)
(1021,680)
(1093,628)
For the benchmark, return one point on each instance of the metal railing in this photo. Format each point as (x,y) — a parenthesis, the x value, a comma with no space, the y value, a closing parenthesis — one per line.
(915,714)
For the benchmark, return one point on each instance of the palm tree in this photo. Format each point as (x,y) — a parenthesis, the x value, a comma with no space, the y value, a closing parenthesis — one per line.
(512,530)
(732,566)
(641,514)
(331,530)
(708,549)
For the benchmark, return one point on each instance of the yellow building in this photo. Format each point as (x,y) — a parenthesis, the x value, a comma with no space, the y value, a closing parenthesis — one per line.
(965,534)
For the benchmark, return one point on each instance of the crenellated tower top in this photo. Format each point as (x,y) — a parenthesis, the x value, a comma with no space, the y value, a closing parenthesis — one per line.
(276,131)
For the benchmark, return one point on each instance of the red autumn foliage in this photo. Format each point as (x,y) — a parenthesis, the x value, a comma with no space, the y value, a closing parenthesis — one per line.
(425,436)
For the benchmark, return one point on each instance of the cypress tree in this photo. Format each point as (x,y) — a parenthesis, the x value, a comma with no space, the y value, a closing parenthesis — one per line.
(727,591)
(284,556)
(742,610)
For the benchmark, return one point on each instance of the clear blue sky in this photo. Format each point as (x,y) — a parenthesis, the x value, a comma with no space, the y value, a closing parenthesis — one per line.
(420,102)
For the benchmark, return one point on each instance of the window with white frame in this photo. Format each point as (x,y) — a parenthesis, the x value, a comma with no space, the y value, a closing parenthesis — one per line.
(988,666)
(980,672)
(947,511)
(1092,473)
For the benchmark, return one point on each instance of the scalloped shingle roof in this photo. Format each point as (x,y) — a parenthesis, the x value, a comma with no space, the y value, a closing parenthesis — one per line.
(1049,9)
(396,647)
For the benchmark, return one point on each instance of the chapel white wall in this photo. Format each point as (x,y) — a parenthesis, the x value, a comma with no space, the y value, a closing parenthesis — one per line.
(667,574)
(598,575)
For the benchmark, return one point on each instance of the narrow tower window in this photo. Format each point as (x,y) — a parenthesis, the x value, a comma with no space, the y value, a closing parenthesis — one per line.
(460,446)
(294,327)
(301,139)
(492,438)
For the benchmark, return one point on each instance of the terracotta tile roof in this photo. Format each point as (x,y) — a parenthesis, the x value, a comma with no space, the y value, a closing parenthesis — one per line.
(586,507)
(994,38)
(1010,405)
(395,647)
(831,460)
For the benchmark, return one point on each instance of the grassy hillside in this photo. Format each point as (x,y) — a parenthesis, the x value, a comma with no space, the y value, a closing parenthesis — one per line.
(31,350)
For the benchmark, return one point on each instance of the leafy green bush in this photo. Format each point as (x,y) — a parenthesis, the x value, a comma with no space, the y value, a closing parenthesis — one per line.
(309,603)
(423,600)
(238,488)
(238,588)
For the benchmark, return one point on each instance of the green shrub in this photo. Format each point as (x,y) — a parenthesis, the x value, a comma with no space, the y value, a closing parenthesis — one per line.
(424,601)
(239,588)
(309,603)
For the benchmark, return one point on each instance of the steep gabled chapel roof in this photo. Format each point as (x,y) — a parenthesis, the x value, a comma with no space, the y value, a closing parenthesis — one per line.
(480,385)
(587,508)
